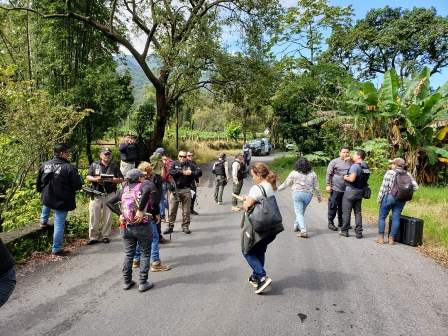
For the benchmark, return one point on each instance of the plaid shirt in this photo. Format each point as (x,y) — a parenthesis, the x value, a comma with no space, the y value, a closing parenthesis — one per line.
(388,182)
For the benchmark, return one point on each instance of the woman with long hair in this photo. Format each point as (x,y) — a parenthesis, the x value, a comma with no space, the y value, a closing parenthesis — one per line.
(254,244)
(303,181)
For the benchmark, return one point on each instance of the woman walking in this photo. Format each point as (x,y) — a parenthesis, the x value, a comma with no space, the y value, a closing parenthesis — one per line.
(254,244)
(303,181)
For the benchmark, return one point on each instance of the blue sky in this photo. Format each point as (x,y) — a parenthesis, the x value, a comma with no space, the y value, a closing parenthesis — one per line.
(361,7)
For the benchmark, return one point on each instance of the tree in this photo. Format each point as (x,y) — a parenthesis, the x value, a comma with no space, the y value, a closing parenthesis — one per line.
(182,34)
(392,38)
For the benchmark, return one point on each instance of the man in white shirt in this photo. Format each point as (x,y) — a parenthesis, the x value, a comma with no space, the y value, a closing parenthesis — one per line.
(238,171)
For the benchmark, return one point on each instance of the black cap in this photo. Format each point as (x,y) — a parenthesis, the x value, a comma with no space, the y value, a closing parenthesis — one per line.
(106,150)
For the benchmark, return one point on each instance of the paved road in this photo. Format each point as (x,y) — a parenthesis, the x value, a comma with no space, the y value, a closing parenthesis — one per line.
(325,285)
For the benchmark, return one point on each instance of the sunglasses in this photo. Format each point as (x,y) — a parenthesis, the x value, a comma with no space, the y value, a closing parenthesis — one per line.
(107,154)
(189,155)
(182,156)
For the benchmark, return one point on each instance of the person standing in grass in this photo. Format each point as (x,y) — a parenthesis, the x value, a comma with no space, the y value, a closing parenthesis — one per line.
(397,188)
(303,181)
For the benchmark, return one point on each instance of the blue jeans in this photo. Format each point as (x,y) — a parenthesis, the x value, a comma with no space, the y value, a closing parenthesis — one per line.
(59,225)
(301,201)
(256,257)
(388,203)
(155,255)
(163,200)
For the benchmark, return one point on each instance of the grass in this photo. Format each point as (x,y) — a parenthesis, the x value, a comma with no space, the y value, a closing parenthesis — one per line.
(429,203)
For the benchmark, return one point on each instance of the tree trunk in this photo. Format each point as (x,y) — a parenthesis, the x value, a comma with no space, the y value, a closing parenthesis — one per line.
(162,112)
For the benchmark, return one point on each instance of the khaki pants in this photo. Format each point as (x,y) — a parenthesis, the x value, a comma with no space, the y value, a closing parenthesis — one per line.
(100,221)
(184,196)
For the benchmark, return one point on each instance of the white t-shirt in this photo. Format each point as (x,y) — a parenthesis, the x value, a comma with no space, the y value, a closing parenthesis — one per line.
(256,193)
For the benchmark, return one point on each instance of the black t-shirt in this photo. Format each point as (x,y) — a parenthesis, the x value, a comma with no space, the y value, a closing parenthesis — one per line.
(97,168)
(6,260)
(128,152)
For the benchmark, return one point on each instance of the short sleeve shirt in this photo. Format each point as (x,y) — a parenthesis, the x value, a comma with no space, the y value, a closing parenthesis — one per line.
(97,168)
(356,169)
(256,193)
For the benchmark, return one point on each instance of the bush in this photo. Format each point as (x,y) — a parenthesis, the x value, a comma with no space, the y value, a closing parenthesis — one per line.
(378,153)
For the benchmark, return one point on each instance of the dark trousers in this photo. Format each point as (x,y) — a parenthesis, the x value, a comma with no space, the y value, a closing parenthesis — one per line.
(236,190)
(352,201)
(335,207)
(7,285)
(133,234)
(220,181)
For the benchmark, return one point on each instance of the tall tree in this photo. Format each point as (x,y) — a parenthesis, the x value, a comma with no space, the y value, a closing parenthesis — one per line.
(392,38)
(182,34)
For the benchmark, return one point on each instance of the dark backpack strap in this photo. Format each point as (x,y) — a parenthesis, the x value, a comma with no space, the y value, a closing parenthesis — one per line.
(263,191)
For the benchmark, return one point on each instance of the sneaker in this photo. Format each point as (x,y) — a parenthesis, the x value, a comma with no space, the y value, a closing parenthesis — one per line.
(253,281)
(157,266)
(359,235)
(302,235)
(128,285)
(163,240)
(263,284)
(61,253)
(143,287)
(220,203)
(332,227)
(193,212)
(344,234)
(136,263)
(106,240)
(44,225)
(235,208)
(186,230)
(296,229)
(92,242)
(168,231)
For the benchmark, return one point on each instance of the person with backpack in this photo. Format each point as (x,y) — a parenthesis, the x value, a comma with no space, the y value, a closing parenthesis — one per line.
(58,181)
(259,229)
(138,208)
(163,168)
(221,171)
(128,153)
(194,185)
(238,174)
(154,183)
(304,182)
(357,188)
(247,153)
(104,175)
(397,188)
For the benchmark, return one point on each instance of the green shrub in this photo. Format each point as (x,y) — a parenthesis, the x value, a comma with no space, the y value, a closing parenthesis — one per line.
(378,153)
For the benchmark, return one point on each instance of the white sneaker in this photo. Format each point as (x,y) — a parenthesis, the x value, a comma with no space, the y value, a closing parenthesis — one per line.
(263,284)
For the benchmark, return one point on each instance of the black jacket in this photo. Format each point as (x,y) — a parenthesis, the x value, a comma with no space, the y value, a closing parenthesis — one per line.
(6,260)
(58,181)
(183,181)
(128,152)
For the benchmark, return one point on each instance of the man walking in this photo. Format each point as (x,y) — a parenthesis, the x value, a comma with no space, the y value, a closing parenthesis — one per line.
(221,171)
(183,173)
(104,176)
(336,186)
(238,171)
(128,154)
(194,186)
(357,179)
(58,182)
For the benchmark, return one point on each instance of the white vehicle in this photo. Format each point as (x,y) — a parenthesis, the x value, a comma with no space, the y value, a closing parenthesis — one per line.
(260,147)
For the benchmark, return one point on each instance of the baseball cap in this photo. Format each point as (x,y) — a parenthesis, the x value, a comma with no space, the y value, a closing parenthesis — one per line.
(134,174)
(160,151)
(398,162)
(106,150)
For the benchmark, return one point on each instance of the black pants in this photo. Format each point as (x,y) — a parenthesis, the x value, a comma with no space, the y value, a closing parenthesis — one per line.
(352,200)
(335,207)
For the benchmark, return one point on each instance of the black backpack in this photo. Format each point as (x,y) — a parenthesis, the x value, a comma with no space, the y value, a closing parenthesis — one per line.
(402,188)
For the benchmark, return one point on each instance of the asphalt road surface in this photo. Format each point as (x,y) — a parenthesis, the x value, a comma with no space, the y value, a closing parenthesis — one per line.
(324,285)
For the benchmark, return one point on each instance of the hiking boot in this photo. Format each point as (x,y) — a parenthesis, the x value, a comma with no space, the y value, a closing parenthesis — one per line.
(128,285)
(106,240)
(332,227)
(168,231)
(236,209)
(163,240)
(61,253)
(193,212)
(380,239)
(92,242)
(391,240)
(263,284)
(186,230)
(157,266)
(44,225)
(136,263)
(143,287)
(359,236)
(344,234)
(253,281)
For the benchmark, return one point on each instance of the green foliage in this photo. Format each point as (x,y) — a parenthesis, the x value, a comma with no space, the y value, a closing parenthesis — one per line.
(317,158)
(378,152)
(233,130)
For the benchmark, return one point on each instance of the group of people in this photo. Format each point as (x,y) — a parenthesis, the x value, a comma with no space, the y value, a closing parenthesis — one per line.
(145,194)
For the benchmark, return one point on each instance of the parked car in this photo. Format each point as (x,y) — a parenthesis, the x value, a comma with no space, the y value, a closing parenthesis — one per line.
(260,147)
(291,146)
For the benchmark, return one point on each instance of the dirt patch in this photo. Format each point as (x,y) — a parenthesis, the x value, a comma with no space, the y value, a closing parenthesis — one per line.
(439,254)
